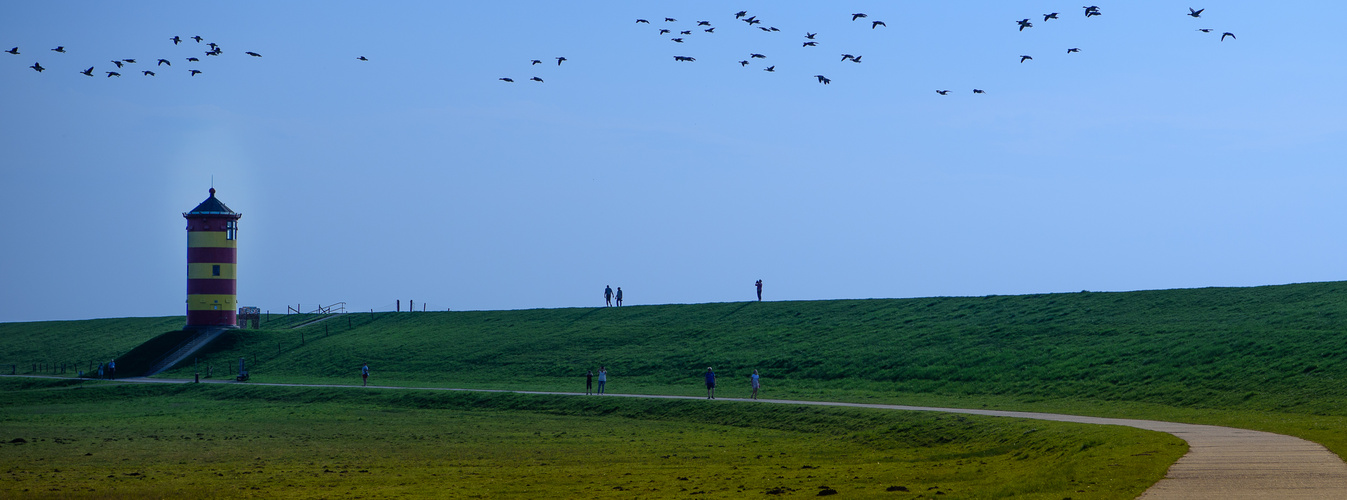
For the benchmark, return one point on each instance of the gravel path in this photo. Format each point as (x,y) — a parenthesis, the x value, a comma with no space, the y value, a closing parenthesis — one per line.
(1222,463)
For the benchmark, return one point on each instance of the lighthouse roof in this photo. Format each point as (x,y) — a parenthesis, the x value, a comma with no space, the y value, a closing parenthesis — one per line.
(212,206)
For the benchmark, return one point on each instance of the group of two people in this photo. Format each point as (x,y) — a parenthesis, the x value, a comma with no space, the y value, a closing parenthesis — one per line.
(753,383)
(589,380)
(608,296)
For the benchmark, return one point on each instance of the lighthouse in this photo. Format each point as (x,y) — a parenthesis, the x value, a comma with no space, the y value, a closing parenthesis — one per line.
(212,261)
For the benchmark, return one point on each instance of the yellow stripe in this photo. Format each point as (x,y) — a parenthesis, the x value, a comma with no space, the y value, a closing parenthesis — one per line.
(208,302)
(209,239)
(207,271)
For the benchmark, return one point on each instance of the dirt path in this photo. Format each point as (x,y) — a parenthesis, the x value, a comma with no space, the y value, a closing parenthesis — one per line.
(1222,463)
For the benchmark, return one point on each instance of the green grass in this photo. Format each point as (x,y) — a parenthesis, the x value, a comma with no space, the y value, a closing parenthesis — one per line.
(100,439)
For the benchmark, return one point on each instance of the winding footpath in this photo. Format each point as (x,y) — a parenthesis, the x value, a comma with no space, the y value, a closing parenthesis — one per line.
(1222,463)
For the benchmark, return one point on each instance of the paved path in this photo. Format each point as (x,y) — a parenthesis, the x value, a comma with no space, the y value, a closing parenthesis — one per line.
(1222,463)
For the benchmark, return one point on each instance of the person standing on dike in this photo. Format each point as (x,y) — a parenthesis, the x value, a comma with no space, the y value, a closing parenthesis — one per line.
(608,296)
(619,296)
(710,383)
(759,285)
(603,376)
(589,382)
(753,383)
(364,375)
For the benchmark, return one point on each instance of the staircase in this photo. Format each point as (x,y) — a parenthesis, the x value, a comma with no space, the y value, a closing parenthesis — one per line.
(184,350)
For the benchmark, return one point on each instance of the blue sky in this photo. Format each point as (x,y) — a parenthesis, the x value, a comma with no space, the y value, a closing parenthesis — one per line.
(1157,157)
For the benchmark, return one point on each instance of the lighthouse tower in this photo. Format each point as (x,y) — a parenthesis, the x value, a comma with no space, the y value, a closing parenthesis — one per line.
(212,258)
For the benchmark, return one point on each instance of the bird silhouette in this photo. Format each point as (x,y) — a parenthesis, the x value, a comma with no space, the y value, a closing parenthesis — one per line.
(1025,24)
(254,54)
(213,46)
(847,56)
(1228,34)
(942,92)
(810,35)
(1205,30)
(773,28)
(363,58)
(811,44)
(1072,49)
(511,80)
(979,91)
(856,59)
(876,24)
(88,72)
(147,73)
(1195,13)
(195,72)
(686,32)
(535,61)
(1046,17)
(212,53)
(1092,10)
(670,20)
(770,69)
(764,29)
(176,39)
(38,67)
(710,30)
(858,15)
(823,79)
(740,14)
(129,61)
(703,23)
(756,56)
(560,60)
(113,73)
(1025,58)
(743,63)
(14,51)
(684,59)
(197,38)
(752,21)
(193,59)
(118,63)
(60,49)
(663,32)
(642,21)
(163,62)
(678,40)
(536,79)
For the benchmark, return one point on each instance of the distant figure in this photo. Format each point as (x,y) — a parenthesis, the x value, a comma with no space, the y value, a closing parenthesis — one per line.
(607,296)
(710,383)
(364,375)
(603,377)
(589,382)
(619,296)
(759,285)
(753,382)
(112,369)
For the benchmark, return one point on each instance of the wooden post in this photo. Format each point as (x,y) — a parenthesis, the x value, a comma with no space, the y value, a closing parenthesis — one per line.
(399,305)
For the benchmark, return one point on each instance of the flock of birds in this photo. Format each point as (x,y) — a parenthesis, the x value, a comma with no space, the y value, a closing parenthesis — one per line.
(122,64)
(677,35)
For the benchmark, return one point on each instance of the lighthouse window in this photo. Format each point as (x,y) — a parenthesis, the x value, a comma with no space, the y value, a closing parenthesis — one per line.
(231,230)
(215,270)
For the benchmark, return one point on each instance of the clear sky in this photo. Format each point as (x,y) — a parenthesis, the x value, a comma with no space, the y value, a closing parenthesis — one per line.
(1156,157)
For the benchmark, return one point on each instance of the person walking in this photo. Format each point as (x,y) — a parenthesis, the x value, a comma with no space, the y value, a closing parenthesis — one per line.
(603,376)
(364,375)
(607,296)
(753,383)
(619,296)
(759,285)
(112,369)
(710,383)
(589,382)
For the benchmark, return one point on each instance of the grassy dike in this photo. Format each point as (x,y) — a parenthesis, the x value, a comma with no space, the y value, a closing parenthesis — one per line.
(108,440)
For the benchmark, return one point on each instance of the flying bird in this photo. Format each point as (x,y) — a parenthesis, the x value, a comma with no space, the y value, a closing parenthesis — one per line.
(560,60)
(679,40)
(536,79)
(710,30)
(942,92)
(1046,17)
(1072,49)
(193,59)
(213,46)
(847,56)
(743,63)
(197,38)
(511,80)
(113,73)
(770,69)
(1025,24)
(118,63)
(822,79)
(810,35)
(752,21)
(684,59)
(163,62)
(88,72)
(876,24)
(1092,10)
(176,39)
(757,56)
(38,67)
(254,54)
(1195,13)
(670,20)
(663,31)
(14,51)
(1025,58)
(642,21)
(1205,30)
(979,91)
(60,49)
(811,44)
(1228,34)
(362,58)
(858,15)
(773,28)
(129,61)
(856,59)
(764,29)
(740,14)
(147,73)
(703,23)
(687,32)
(212,53)
(195,72)
(535,61)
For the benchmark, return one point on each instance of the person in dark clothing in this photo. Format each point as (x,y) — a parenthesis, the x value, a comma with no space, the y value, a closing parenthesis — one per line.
(607,296)
(619,296)
(589,383)
(759,285)
(710,383)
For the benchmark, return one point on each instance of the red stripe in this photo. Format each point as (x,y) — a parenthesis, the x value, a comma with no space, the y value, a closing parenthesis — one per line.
(212,318)
(212,255)
(212,287)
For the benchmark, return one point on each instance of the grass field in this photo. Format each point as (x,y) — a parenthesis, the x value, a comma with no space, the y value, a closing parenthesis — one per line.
(102,440)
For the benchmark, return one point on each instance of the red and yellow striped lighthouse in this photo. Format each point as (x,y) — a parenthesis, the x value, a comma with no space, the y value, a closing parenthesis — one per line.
(212,259)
